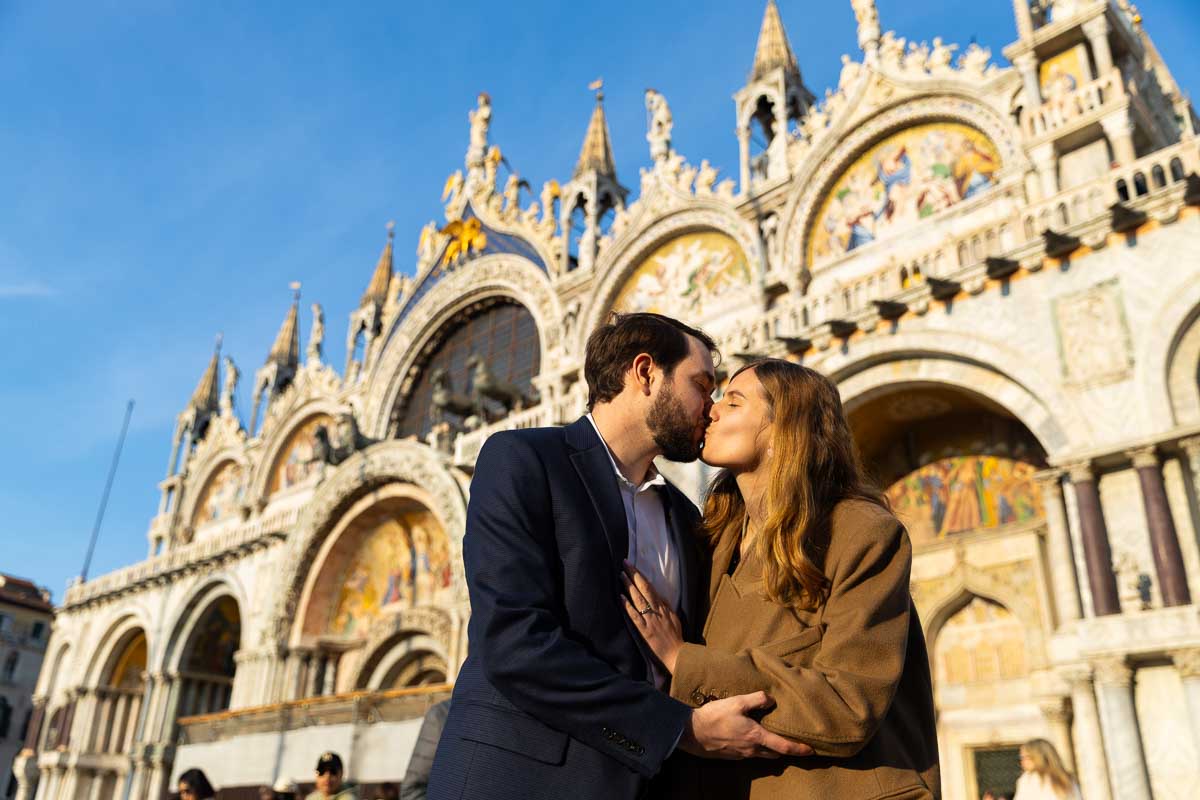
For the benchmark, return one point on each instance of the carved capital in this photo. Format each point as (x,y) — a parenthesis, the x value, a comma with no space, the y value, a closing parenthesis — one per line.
(1056,710)
(1187,662)
(1096,27)
(1191,448)
(1113,671)
(1081,472)
(1144,457)
(1050,480)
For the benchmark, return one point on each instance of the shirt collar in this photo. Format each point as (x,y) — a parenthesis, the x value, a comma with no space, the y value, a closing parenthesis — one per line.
(653,476)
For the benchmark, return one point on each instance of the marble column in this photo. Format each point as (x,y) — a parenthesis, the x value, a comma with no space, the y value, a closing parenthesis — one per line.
(1118,127)
(1191,452)
(1122,738)
(1058,546)
(1096,30)
(1164,541)
(1045,161)
(1027,66)
(1094,533)
(1187,663)
(1057,714)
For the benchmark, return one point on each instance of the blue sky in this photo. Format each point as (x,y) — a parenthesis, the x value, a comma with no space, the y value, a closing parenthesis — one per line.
(166,169)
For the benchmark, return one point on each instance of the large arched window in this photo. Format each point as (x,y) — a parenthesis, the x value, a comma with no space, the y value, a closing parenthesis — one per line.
(502,333)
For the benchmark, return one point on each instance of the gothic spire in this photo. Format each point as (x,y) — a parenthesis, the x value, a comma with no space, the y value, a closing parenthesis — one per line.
(773,49)
(377,289)
(206,396)
(286,350)
(596,153)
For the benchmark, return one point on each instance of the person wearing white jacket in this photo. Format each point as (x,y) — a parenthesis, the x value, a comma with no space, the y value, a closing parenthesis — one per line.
(1043,775)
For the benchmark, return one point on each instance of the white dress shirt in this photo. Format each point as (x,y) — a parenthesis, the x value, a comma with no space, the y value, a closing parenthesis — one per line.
(651,548)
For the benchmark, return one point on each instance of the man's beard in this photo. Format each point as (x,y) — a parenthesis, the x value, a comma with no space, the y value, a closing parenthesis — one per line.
(673,432)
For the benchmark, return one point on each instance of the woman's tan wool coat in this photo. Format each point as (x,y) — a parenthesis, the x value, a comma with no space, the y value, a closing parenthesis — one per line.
(851,678)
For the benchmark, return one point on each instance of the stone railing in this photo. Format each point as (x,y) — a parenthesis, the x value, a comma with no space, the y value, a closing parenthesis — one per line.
(182,557)
(967,259)
(395,705)
(562,410)
(1097,96)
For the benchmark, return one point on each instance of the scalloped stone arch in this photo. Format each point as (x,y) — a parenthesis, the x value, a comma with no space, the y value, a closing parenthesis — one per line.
(488,276)
(969,362)
(974,582)
(823,169)
(627,253)
(387,462)
(128,620)
(260,476)
(383,655)
(1168,357)
(196,602)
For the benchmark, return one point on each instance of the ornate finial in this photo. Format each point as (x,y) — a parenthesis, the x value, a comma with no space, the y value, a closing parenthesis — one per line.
(596,153)
(286,350)
(295,287)
(773,49)
(381,278)
(220,338)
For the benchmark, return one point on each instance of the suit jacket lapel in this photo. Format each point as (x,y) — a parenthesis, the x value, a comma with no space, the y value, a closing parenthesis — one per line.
(721,558)
(592,462)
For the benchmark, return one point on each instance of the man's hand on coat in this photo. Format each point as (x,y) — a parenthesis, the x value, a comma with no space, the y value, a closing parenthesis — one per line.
(724,729)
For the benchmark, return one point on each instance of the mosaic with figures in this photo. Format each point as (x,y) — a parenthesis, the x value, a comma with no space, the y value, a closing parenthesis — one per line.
(683,274)
(221,496)
(908,176)
(298,460)
(403,561)
(963,493)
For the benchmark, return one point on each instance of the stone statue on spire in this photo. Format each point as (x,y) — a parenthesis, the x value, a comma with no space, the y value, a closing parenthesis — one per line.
(658,133)
(481,120)
(868,25)
(317,336)
(229,387)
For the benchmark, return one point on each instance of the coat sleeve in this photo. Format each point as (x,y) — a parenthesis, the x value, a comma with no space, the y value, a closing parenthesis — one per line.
(514,575)
(838,703)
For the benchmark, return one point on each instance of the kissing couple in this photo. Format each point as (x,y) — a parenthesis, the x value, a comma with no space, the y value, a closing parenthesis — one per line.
(622,646)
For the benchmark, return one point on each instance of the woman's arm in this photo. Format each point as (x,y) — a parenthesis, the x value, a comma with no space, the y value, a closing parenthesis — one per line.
(838,703)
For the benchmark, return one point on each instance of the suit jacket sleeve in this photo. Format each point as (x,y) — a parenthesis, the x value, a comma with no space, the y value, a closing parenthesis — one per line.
(515,578)
(837,704)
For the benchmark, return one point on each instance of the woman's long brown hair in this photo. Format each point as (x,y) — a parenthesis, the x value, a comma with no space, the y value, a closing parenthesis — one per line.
(1048,764)
(814,466)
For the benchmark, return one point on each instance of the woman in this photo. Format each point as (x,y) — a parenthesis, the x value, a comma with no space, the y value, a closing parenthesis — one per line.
(194,785)
(1043,776)
(809,602)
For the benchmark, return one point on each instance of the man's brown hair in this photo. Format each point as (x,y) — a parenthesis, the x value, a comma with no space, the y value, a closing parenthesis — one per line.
(613,346)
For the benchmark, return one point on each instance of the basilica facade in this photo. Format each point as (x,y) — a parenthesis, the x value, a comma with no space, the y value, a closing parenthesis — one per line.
(999,267)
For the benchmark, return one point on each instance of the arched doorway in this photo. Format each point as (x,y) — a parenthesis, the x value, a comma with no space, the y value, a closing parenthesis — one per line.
(959,470)
(119,697)
(950,462)
(389,554)
(207,667)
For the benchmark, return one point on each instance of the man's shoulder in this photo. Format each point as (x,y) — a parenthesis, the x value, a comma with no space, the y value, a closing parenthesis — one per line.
(538,440)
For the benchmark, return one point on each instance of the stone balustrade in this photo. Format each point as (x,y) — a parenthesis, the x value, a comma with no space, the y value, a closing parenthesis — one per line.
(338,709)
(1092,99)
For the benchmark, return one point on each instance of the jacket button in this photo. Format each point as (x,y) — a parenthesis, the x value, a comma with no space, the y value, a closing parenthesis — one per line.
(698,697)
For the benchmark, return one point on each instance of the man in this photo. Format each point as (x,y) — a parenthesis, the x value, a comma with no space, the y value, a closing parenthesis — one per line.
(558,698)
(329,780)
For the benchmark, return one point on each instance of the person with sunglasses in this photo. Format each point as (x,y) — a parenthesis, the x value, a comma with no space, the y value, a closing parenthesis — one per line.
(330,784)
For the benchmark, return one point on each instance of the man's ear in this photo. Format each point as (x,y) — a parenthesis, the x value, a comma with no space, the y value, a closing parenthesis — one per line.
(643,371)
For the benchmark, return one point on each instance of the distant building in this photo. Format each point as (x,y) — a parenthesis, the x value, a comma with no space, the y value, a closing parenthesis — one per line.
(998,266)
(25,617)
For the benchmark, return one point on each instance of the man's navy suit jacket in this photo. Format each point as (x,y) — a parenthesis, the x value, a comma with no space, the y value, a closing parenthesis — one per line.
(555,699)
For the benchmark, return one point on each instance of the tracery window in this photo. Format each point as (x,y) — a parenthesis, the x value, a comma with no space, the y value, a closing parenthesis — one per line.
(502,333)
